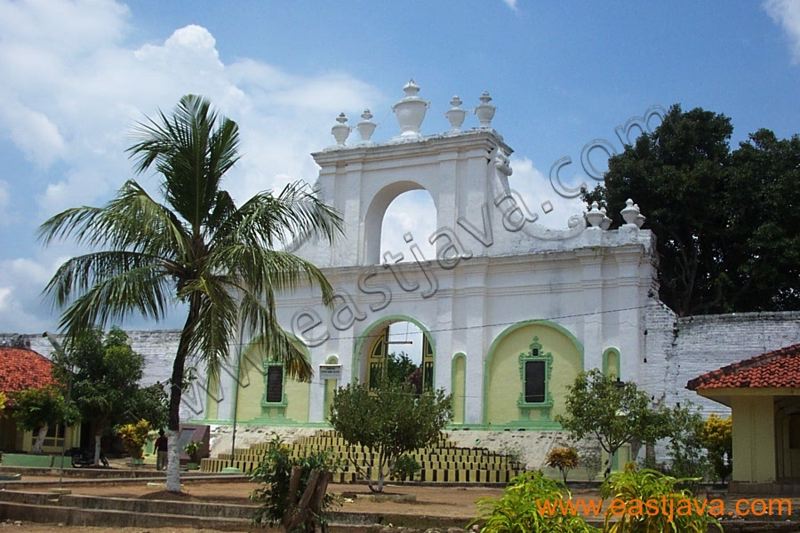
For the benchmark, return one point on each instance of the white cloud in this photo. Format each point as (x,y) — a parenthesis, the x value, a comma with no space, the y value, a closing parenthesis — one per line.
(787,14)
(5,196)
(511,3)
(536,190)
(74,98)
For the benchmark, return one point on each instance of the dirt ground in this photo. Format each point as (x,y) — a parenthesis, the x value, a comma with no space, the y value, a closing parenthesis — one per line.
(441,501)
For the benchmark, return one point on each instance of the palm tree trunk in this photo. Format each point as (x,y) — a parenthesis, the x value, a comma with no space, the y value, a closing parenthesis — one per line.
(38,444)
(176,389)
(97,438)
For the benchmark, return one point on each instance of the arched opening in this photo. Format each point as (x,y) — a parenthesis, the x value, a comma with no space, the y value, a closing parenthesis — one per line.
(397,350)
(402,215)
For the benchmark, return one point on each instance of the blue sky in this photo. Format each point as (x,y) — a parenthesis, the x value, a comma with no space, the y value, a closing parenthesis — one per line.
(77,75)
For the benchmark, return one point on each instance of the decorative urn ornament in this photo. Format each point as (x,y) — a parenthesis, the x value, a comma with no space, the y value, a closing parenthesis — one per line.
(640,218)
(630,212)
(595,216)
(606,223)
(485,110)
(410,111)
(455,115)
(341,130)
(366,127)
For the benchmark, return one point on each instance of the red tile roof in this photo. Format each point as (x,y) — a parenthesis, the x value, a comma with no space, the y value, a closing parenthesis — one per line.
(776,369)
(21,368)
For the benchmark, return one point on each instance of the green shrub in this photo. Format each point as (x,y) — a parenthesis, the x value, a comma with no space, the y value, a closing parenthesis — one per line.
(274,474)
(405,467)
(517,510)
(635,488)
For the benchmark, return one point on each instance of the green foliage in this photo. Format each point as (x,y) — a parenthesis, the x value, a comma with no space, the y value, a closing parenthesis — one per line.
(3,400)
(517,511)
(193,451)
(635,487)
(405,468)
(46,406)
(399,368)
(134,437)
(389,421)
(686,450)
(589,458)
(150,403)
(612,412)
(104,373)
(274,473)
(724,220)
(717,437)
(563,458)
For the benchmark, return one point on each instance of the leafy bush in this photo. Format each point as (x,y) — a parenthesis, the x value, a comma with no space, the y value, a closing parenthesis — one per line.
(686,450)
(717,437)
(563,458)
(275,472)
(517,510)
(589,457)
(405,467)
(134,436)
(3,400)
(193,451)
(389,421)
(636,487)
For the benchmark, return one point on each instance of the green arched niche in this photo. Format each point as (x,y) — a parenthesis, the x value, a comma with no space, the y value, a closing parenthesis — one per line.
(503,368)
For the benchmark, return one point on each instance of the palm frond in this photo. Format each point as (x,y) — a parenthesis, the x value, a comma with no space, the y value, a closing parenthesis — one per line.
(192,148)
(217,319)
(79,274)
(261,269)
(269,338)
(144,290)
(131,221)
(294,215)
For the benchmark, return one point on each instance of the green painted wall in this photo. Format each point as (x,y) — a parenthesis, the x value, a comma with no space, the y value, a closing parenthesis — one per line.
(753,439)
(611,363)
(504,383)
(458,386)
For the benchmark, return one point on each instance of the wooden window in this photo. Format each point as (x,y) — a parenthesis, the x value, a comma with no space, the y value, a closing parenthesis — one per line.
(535,380)
(274,383)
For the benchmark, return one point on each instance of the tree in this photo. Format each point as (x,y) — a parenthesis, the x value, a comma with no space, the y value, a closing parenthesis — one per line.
(38,409)
(724,222)
(150,403)
(196,248)
(104,373)
(613,412)
(389,421)
(685,447)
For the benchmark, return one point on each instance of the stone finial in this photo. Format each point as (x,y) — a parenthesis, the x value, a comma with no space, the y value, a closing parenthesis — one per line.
(640,218)
(485,111)
(606,223)
(410,111)
(366,127)
(630,212)
(340,130)
(455,114)
(594,216)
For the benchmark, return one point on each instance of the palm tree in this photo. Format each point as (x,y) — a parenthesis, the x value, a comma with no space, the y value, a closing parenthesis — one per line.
(222,262)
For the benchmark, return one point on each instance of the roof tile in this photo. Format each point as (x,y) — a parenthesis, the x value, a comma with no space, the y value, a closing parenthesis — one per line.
(21,369)
(776,369)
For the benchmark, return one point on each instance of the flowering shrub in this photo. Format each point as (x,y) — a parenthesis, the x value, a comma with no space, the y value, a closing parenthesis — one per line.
(565,459)
(717,437)
(134,436)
